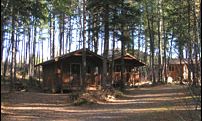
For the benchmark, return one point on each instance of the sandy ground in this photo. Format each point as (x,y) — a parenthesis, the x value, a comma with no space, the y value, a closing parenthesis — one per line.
(160,103)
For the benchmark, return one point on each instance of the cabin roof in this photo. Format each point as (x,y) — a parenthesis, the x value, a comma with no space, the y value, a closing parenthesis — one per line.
(129,58)
(73,53)
(177,61)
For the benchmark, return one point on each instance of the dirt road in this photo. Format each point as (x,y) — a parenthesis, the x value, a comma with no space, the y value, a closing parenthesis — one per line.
(160,103)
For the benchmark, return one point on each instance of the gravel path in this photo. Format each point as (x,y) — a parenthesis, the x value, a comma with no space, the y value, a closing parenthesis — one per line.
(160,103)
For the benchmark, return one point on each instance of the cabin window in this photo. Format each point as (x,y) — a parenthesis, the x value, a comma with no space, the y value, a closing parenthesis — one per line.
(88,69)
(65,68)
(118,68)
(129,68)
(171,68)
(75,68)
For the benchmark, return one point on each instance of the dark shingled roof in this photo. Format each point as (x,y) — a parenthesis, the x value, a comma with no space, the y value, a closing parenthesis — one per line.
(74,53)
(128,57)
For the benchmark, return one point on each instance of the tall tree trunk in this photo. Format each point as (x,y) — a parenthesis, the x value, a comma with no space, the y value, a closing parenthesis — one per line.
(15,54)
(6,62)
(165,58)
(195,65)
(38,56)
(23,51)
(30,52)
(152,50)
(122,60)
(95,31)
(63,33)
(84,47)
(60,34)
(170,52)
(62,49)
(53,44)
(181,70)
(196,45)
(133,43)
(122,52)
(189,43)
(145,58)
(12,79)
(34,48)
(25,57)
(67,41)
(70,33)
(106,44)
(139,38)
(159,41)
(2,36)
(151,36)
(165,36)
(50,33)
(53,52)
(42,51)
(113,47)
(80,23)
(181,57)
(89,31)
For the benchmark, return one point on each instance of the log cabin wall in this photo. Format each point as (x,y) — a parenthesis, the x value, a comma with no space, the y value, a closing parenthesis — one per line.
(71,72)
(49,76)
(94,70)
(66,73)
(174,71)
(131,76)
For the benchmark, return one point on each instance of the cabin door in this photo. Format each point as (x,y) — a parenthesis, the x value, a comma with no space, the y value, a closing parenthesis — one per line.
(76,73)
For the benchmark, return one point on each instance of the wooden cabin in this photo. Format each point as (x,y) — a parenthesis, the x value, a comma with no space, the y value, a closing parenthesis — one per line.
(131,75)
(175,69)
(64,72)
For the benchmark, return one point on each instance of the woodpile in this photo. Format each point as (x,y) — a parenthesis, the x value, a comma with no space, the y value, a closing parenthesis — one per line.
(96,96)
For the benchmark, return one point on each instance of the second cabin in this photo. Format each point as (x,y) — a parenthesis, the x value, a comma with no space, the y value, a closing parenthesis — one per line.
(131,75)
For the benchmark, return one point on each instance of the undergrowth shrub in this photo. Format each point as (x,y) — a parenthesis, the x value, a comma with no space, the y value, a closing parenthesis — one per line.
(118,94)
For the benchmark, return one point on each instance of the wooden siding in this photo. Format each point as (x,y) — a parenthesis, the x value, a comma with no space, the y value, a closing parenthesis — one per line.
(174,70)
(130,78)
(66,73)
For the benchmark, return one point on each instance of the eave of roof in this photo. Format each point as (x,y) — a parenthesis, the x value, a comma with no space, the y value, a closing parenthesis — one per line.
(73,53)
(128,56)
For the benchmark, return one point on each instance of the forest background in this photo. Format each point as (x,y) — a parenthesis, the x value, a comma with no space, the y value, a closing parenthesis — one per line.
(154,31)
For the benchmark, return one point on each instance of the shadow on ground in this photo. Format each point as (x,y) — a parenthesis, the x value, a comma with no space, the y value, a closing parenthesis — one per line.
(161,103)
